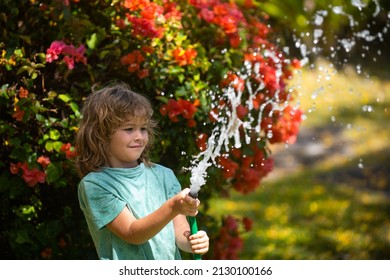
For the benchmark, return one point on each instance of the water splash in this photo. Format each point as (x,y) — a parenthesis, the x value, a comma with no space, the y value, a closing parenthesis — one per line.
(227,131)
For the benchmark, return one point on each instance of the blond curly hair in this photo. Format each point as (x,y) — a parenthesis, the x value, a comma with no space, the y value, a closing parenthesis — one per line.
(105,111)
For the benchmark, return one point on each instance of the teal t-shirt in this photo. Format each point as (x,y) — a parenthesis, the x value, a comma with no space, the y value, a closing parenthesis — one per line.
(143,189)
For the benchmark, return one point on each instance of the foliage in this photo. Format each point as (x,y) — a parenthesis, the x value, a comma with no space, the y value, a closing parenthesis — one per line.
(181,55)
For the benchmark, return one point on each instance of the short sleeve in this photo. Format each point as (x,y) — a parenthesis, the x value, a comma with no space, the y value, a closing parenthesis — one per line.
(99,205)
(173,184)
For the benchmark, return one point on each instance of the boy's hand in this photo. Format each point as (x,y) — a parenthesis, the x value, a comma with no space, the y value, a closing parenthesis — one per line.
(199,242)
(184,204)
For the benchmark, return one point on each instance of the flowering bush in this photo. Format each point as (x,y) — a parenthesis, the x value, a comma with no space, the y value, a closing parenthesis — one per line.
(182,54)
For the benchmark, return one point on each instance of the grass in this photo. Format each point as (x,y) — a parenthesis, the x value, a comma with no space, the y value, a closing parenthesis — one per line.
(335,204)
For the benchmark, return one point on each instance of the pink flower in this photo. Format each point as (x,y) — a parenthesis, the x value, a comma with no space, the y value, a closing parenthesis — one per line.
(207,15)
(54,51)
(69,62)
(70,53)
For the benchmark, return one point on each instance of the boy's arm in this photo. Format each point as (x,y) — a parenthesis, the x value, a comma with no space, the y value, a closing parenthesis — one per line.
(182,230)
(138,231)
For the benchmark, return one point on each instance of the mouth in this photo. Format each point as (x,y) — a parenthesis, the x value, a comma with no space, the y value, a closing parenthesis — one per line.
(136,147)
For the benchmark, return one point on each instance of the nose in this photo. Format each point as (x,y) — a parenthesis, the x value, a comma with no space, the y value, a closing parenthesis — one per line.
(138,135)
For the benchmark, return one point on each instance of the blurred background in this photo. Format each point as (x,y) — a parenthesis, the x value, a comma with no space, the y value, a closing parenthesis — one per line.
(328,196)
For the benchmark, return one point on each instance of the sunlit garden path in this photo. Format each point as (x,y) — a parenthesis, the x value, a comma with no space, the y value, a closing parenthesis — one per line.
(329,194)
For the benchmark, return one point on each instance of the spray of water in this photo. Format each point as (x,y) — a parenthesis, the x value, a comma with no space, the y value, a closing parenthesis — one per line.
(228,127)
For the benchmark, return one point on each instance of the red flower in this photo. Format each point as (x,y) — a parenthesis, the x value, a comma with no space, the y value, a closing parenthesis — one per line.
(120,23)
(242,111)
(229,166)
(201,141)
(30,176)
(228,243)
(296,63)
(184,57)
(19,114)
(46,253)
(14,168)
(151,11)
(225,15)
(147,49)
(248,223)
(171,11)
(133,60)
(145,27)
(284,127)
(143,73)
(235,40)
(44,161)
(134,5)
(183,108)
(69,151)
(236,153)
(207,15)
(191,123)
(213,115)
(62,243)
(234,81)
(251,169)
(33,176)
(23,93)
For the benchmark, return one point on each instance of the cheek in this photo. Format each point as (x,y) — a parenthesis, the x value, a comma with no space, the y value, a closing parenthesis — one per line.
(146,137)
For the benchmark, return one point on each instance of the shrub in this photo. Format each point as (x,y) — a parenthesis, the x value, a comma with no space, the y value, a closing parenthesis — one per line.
(182,55)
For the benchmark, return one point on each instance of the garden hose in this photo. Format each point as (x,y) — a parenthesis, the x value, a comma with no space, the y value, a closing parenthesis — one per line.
(194,225)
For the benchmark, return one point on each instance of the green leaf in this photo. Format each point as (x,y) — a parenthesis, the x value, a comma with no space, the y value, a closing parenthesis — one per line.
(22,237)
(51,94)
(53,172)
(40,118)
(75,108)
(34,75)
(162,99)
(65,97)
(175,70)
(24,68)
(57,146)
(54,134)
(49,146)
(92,42)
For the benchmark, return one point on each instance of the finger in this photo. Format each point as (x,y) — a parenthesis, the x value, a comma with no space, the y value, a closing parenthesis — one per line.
(192,201)
(185,192)
(192,212)
(201,248)
(199,235)
(199,243)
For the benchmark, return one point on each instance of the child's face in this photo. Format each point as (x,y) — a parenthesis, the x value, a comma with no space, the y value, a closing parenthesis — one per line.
(127,144)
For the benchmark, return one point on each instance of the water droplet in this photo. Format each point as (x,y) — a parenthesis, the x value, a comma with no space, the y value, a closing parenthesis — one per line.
(367,108)
(359,4)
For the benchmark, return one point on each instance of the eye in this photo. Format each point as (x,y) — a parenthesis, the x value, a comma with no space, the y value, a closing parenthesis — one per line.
(128,129)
